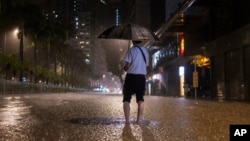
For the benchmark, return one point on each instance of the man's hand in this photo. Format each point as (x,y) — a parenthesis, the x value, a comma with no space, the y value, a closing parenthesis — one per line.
(126,66)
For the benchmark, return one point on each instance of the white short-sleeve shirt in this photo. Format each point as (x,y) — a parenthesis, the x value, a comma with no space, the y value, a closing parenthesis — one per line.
(136,60)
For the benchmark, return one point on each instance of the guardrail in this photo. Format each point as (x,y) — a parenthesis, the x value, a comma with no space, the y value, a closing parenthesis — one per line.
(16,87)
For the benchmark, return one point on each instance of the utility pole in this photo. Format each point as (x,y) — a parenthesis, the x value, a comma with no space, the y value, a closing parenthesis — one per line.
(20,34)
(195,78)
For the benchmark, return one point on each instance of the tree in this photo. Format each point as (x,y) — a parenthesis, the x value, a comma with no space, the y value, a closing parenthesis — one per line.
(26,16)
(9,65)
(49,37)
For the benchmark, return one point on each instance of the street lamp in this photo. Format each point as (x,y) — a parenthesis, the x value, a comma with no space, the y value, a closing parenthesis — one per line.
(16,31)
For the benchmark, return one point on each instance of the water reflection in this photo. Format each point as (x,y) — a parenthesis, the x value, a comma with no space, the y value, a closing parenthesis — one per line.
(12,110)
(141,132)
(96,121)
(127,134)
(147,135)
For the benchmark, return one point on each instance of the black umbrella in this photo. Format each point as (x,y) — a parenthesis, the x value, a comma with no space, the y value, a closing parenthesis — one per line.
(128,32)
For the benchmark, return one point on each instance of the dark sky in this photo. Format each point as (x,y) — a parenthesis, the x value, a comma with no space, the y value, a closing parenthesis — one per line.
(104,14)
(43,3)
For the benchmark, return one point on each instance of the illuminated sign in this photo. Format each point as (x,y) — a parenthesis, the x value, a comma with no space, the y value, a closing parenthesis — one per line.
(201,61)
(182,44)
(181,71)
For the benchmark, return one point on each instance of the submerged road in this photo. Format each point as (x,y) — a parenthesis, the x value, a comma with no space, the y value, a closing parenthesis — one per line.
(99,117)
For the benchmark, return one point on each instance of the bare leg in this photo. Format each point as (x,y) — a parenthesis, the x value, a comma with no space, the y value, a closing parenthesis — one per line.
(126,109)
(140,111)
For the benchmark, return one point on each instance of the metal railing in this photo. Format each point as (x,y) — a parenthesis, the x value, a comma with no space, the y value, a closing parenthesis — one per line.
(16,87)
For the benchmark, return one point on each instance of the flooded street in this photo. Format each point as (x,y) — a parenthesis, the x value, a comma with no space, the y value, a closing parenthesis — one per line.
(99,117)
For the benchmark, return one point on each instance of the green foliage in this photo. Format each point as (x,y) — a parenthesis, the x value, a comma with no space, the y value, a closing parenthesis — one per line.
(9,64)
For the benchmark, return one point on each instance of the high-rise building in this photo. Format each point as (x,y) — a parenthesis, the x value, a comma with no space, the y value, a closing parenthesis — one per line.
(74,13)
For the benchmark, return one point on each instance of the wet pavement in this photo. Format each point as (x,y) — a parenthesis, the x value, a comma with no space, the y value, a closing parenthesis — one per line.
(99,117)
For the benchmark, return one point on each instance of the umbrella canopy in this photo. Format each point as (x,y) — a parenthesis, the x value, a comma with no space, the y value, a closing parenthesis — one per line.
(128,32)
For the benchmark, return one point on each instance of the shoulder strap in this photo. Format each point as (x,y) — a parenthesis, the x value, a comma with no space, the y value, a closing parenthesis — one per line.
(142,54)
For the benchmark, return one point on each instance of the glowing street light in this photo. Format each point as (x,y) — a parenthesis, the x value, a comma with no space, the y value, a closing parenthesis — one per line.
(16,31)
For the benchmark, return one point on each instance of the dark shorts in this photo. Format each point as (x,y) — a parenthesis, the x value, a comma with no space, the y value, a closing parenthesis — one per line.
(134,84)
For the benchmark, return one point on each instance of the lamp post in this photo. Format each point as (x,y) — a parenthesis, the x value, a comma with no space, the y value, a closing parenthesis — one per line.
(5,43)
(20,36)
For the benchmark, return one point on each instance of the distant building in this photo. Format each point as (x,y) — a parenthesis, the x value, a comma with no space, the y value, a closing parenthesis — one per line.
(73,12)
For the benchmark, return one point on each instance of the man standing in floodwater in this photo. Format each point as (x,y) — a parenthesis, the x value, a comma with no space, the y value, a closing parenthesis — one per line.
(136,62)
